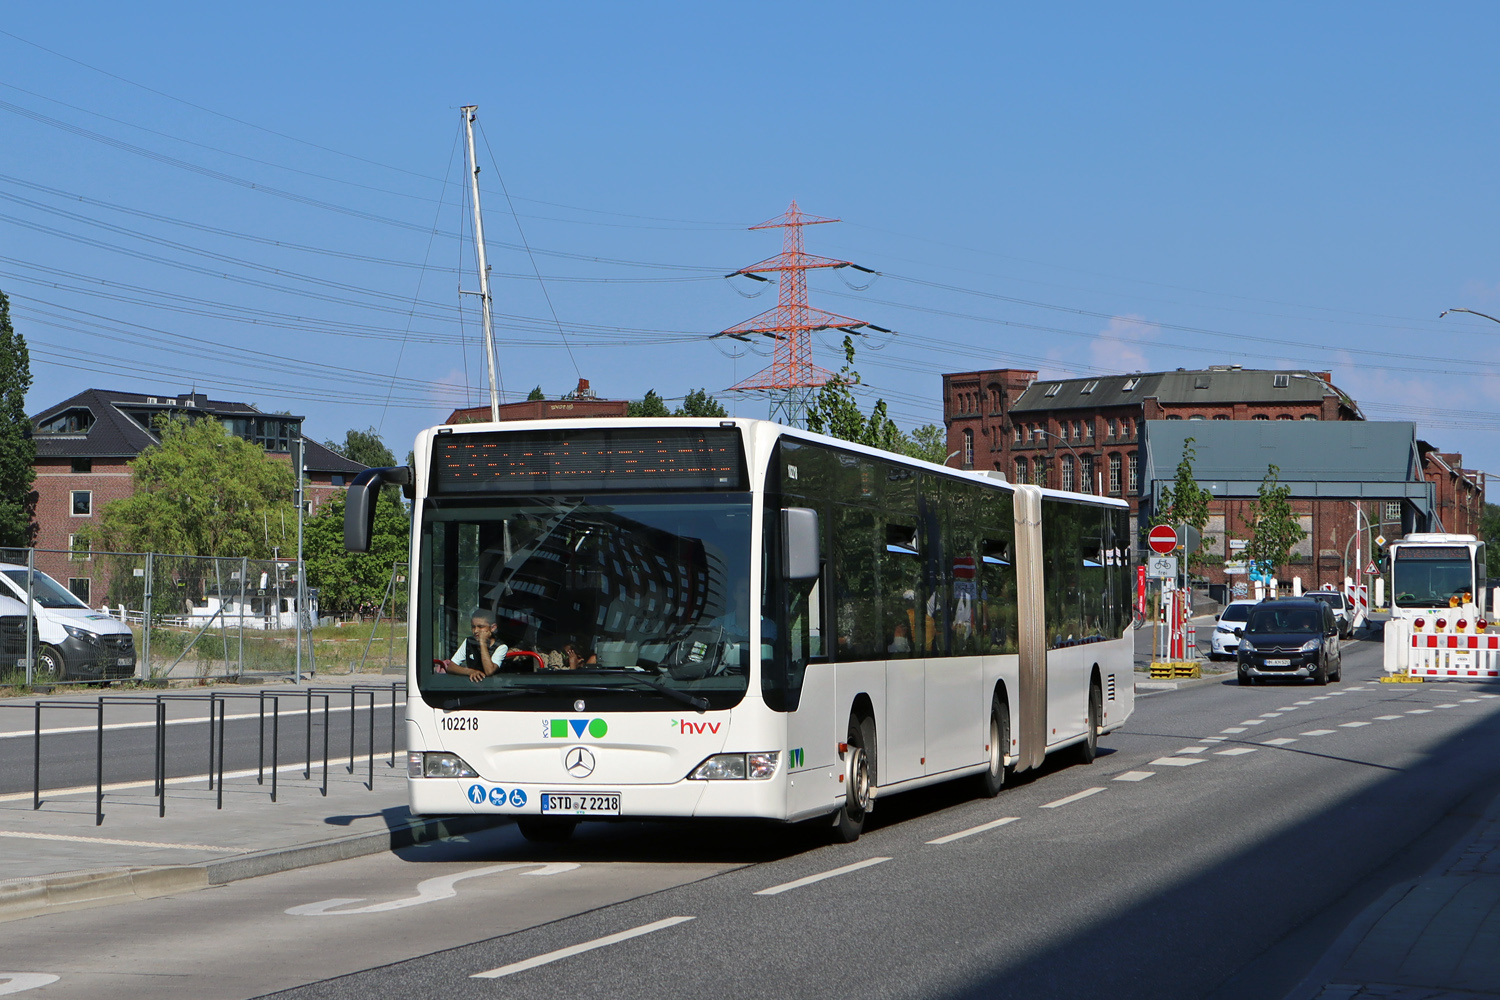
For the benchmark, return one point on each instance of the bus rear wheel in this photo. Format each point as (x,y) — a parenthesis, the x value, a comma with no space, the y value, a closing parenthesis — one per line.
(545,830)
(849,821)
(993,780)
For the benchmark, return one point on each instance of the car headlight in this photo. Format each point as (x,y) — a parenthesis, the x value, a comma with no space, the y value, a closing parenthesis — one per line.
(735,766)
(437,765)
(1246,646)
(1310,646)
(81,633)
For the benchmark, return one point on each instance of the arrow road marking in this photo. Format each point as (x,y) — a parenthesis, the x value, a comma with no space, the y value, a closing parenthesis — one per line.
(20,982)
(428,891)
(579,949)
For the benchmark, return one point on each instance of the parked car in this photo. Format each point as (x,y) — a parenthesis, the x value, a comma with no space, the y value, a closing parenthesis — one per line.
(1224,643)
(75,642)
(1340,606)
(1290,637)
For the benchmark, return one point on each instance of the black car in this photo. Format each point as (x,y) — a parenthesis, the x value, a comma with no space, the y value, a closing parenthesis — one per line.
(1292,637)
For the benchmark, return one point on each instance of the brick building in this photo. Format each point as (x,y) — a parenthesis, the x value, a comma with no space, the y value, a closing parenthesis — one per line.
(581,403)
(84,446)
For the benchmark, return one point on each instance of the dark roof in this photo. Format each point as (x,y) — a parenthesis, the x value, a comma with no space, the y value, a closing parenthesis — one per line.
(321,459)
(115,433)
(1210,385)
(1316,458)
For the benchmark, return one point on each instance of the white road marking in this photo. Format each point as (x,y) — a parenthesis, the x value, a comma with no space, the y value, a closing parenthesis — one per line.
(1283,741)
(428,891)
(1270,715)
(16,734)
(1469,701)
(186,779)
(1253,722)
(1235,751)
(1192,750)
(1449,705)
(1352,725)
(579,949)
(1320,697)
(118,843)
(1289,708)
(1387,718)
(1134,775)
(1076,796)
(1490,696)
(960,835)
(1233,729)
(1304,703)
(1336,694)
(1419,711)
(20,982)
(1316,732)
(1177,761)
(777,890)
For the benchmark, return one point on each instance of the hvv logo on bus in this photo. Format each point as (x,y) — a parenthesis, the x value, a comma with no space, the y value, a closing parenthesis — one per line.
(684,726)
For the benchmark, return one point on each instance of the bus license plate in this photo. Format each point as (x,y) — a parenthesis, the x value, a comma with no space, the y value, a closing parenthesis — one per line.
(1278,663)
(579,804)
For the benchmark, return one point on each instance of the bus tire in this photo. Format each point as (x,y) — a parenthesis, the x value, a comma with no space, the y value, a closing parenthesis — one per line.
(849,821)
(1089,748)
(545,830)
(993,780)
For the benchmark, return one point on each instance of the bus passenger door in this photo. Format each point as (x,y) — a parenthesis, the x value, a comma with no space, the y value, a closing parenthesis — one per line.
(812,743)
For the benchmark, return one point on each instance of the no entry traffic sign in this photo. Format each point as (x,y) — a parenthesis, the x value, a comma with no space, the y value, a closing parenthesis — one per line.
(1162,539)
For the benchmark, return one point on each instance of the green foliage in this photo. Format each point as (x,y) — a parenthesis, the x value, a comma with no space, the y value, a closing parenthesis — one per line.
(699,403)
(364,447)
(928,442)
(17,450)
(1489,530)
(1185,502)
(200,491)
(1276,526)
(651,406)
(354,582)
(834,410)
(535,394)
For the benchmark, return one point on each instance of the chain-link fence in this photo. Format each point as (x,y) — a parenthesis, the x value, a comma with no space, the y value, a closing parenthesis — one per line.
(102,616)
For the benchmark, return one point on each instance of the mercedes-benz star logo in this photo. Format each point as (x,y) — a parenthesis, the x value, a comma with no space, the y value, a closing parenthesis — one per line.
(579,762)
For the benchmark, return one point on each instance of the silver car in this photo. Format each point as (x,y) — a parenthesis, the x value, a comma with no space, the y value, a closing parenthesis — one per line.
(1224,643)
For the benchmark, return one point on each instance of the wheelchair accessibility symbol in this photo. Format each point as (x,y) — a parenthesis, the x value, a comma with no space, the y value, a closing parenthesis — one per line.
(517,797)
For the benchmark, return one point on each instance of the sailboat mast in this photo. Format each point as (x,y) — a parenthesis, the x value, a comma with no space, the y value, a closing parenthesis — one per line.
(484,268)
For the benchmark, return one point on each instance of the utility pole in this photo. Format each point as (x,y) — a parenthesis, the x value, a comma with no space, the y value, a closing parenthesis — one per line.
(301,566)
(484,267)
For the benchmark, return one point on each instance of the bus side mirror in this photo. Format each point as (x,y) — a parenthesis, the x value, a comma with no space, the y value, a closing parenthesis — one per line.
(359,504)
(802,558)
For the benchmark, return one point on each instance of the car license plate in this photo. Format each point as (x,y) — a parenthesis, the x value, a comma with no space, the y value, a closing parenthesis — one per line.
(582,804)
(125,661)
(1278,663)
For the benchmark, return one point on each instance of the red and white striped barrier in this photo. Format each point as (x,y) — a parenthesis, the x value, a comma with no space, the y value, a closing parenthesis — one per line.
(1453,650)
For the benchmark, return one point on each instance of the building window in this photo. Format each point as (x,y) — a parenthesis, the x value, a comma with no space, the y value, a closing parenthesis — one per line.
(79,585)
(1088,429)
(1114,475)
(1052,390)
(337,479)
(1260,416)
(78,550)
(968,447)
(1077,430)
(1020,470)
(1130,383)
(1088,387)
(83,465)
(83,503)
(1018,433)
(75,421)
(1221,416)
(1112,427)
(1281,381)
(1039,471)
(1393,511)
(1309,416)
(1283,416)
(1067,472)
(1134,472)
(1085,473)
(1196,416)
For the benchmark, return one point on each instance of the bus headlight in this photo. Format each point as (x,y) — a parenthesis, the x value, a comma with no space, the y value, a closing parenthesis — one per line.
(737,766)
(437,765)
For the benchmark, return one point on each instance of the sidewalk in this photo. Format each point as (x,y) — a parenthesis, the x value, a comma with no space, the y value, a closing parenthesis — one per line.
(1436,937)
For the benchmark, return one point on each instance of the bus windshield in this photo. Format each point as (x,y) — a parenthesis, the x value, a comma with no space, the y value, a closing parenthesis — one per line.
(1429,576)
(614,601)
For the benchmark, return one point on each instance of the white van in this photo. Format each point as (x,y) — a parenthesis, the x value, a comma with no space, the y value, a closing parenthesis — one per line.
(75,642)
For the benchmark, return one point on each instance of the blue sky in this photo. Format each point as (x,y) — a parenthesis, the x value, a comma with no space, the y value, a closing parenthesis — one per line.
(252,200)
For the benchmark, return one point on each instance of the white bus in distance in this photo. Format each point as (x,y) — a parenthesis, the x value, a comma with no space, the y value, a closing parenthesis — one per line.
(738,619)
(1437,629)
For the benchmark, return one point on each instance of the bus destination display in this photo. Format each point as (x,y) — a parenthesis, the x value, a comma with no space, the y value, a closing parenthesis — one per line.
(589,460)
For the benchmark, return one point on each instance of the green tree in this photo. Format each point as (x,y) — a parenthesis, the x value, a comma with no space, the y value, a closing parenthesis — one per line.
(364,447)
(699,403)
(200,491)
(928,442)
(651,406)
(535,394)
(1185,502)
(354,582)
(834,410)
(1489,530)
(1277,529)
(17,450)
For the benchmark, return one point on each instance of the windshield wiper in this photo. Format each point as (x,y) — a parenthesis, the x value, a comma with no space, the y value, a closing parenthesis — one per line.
(700,705)
(480,698)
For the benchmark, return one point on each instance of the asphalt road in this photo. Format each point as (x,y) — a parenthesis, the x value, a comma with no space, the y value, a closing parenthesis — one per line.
(1215,850)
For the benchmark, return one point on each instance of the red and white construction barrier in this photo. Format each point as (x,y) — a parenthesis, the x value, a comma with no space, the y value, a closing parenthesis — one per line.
(1443,649)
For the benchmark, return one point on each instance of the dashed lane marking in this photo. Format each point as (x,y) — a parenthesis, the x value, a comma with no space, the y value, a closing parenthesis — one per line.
(1320,697)
(1449,705)
(981,828)
(1253,722)
(1304,703)
(1490,696)
(1233,729)
(1336,694)
(1352,725)
(1134,775)
(1236,751)
(579,949)
(1192,750)
(1076,796)
(1288,708)
(1316,732)
(1419,711)
(1469,701)
(1270,715)
(1387,718)
(1283,741)
(777,890)
(1177,761)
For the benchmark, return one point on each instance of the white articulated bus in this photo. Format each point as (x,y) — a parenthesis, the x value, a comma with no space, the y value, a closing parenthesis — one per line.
(734,618)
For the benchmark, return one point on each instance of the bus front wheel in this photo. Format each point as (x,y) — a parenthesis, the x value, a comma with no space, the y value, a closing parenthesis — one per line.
(849,821)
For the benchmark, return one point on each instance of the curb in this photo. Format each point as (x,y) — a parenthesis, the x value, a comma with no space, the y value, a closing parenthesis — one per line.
(1147,688)
(31,897)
